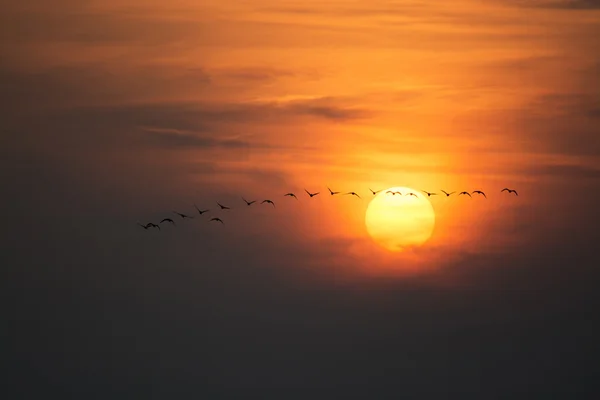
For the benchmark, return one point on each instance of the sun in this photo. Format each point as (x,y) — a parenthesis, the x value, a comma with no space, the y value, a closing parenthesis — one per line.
(398,222)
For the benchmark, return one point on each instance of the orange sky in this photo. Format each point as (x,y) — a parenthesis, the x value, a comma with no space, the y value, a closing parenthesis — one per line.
(261,97)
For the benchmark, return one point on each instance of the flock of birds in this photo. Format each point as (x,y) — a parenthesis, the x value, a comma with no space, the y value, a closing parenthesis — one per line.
(311,195)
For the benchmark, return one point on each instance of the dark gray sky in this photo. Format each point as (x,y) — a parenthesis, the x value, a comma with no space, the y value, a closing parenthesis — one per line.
(116,113)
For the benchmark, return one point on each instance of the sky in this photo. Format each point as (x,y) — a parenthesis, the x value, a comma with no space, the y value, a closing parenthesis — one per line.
(119,112)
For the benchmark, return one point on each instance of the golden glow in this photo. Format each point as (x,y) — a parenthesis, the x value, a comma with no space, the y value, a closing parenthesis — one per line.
(398,222)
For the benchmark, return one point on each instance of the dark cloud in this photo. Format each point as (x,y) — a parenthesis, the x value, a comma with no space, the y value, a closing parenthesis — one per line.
(253,74)
(177,139)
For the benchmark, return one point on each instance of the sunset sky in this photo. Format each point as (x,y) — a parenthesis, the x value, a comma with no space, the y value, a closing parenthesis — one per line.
(119,112)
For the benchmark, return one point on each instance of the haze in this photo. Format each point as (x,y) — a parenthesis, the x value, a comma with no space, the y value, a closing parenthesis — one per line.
(118,112)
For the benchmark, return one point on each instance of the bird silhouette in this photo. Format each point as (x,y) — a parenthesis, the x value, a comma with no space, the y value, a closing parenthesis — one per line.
(291,195)
(218,220)
(480,192)
(183,216)
(151,225)
(144,226)
(446,193)
(509,191)
(374,191)
(412,194)
(223,207)
(428,193)
(268,201)
(353,194)
(249,203)
(393,193)
(200,211)
(467,193)
(168,220)
(311,194)
(331,191)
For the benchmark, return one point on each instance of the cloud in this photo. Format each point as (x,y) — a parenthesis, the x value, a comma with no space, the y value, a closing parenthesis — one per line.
(167,138)
(574,172)
(559,4)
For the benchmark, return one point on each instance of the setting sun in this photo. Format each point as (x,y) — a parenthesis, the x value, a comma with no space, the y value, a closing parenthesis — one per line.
(399,218)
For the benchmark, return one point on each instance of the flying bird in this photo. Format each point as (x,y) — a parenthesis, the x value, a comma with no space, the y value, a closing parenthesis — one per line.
(467,193)
(509,191)
(168,220)
(218,220)
(374,191)
(223,207)
(446,193)
(144,226)
(311,194)
(480,192)
(183,216)
(332,192)
(353,194)
(249,203)
(268,201)
(151,225)
(393,193)
(200,211)
(412,194)
(291,195)
(429,194)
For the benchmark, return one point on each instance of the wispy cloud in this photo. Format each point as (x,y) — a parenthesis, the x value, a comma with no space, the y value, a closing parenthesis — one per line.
(558,4)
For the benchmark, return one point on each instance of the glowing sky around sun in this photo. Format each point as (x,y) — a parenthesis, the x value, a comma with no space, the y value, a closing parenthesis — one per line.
(198,100)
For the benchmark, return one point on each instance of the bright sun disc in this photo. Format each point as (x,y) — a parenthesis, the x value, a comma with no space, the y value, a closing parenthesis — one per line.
(400,221)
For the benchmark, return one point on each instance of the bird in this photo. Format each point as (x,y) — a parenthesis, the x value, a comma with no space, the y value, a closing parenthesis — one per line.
(223,207)
(480,192)
(374,191)
(144,226)
(353,194)
(311,194)
(446,193)
(268,201)
(393,193)
(183,216)
(200,211)
(467,193)
(249,203)
(428,194)
(218,220)
(168,220)
(509,191)
(332,192)
(412,194)
(151,225)
(291,195)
